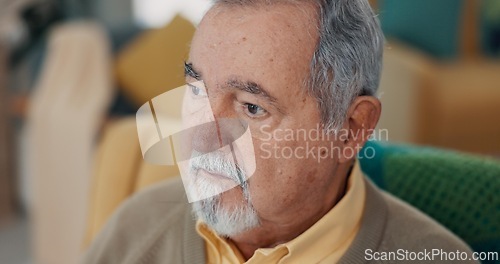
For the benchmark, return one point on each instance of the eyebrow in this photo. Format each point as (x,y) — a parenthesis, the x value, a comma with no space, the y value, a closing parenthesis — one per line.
(253,88)
(245,86)
(190,71)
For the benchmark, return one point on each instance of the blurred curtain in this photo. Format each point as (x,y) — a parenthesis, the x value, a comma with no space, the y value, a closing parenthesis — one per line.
(67,109)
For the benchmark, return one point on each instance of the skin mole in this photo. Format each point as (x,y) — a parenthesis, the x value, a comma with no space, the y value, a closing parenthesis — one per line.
(311,176)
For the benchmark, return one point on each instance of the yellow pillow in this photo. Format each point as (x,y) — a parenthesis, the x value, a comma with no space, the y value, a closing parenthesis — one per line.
(119,172)
(153,63)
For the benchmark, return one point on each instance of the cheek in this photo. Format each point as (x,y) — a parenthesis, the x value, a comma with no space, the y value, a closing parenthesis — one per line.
(280,182)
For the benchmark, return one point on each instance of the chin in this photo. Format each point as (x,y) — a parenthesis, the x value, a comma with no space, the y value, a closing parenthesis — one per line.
(229,220)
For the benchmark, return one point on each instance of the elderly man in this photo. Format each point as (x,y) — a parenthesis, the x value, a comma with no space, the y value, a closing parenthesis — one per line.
(284,68)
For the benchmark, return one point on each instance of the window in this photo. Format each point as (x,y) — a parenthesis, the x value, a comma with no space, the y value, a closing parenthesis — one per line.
(157,13)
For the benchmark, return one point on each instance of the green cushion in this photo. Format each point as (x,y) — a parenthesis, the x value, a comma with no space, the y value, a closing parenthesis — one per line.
(430,25)
(460,191)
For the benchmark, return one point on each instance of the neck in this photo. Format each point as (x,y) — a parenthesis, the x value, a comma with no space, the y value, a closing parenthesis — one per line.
(271,234)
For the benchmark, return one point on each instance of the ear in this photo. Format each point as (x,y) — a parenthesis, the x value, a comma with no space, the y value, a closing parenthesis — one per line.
(362,118)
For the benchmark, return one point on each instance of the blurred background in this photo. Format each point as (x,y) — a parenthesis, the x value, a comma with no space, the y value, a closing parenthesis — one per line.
(74,72)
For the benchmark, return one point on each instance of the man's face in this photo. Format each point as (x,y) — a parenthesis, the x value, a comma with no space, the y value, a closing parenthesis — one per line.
(254,63)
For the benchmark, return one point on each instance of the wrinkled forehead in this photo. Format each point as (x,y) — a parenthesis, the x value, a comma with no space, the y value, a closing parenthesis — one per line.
(255,41)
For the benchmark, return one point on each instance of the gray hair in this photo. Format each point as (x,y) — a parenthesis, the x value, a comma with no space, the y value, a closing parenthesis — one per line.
(347,62)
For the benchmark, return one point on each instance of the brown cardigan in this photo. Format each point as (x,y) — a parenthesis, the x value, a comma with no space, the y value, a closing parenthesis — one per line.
(156,226)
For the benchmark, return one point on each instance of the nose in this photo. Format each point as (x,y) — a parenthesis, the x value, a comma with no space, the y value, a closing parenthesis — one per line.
(222,129)
(205,138)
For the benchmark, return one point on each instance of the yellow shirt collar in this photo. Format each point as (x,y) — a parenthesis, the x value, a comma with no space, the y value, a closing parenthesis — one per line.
(324,242)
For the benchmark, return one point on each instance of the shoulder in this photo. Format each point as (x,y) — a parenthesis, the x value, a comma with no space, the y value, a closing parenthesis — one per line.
(409,230)
(140,223)
(160,203)
(155,199)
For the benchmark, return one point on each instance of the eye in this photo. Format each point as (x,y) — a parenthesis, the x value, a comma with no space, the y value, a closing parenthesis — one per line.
(254,110)
(196,91)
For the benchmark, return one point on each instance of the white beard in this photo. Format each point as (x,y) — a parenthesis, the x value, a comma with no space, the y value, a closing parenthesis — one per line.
(226,222)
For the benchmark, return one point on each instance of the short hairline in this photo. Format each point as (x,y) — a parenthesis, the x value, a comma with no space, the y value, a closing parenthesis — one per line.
(332,81)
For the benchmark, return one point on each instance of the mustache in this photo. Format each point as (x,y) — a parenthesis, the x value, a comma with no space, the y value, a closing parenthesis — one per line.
(216,163)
